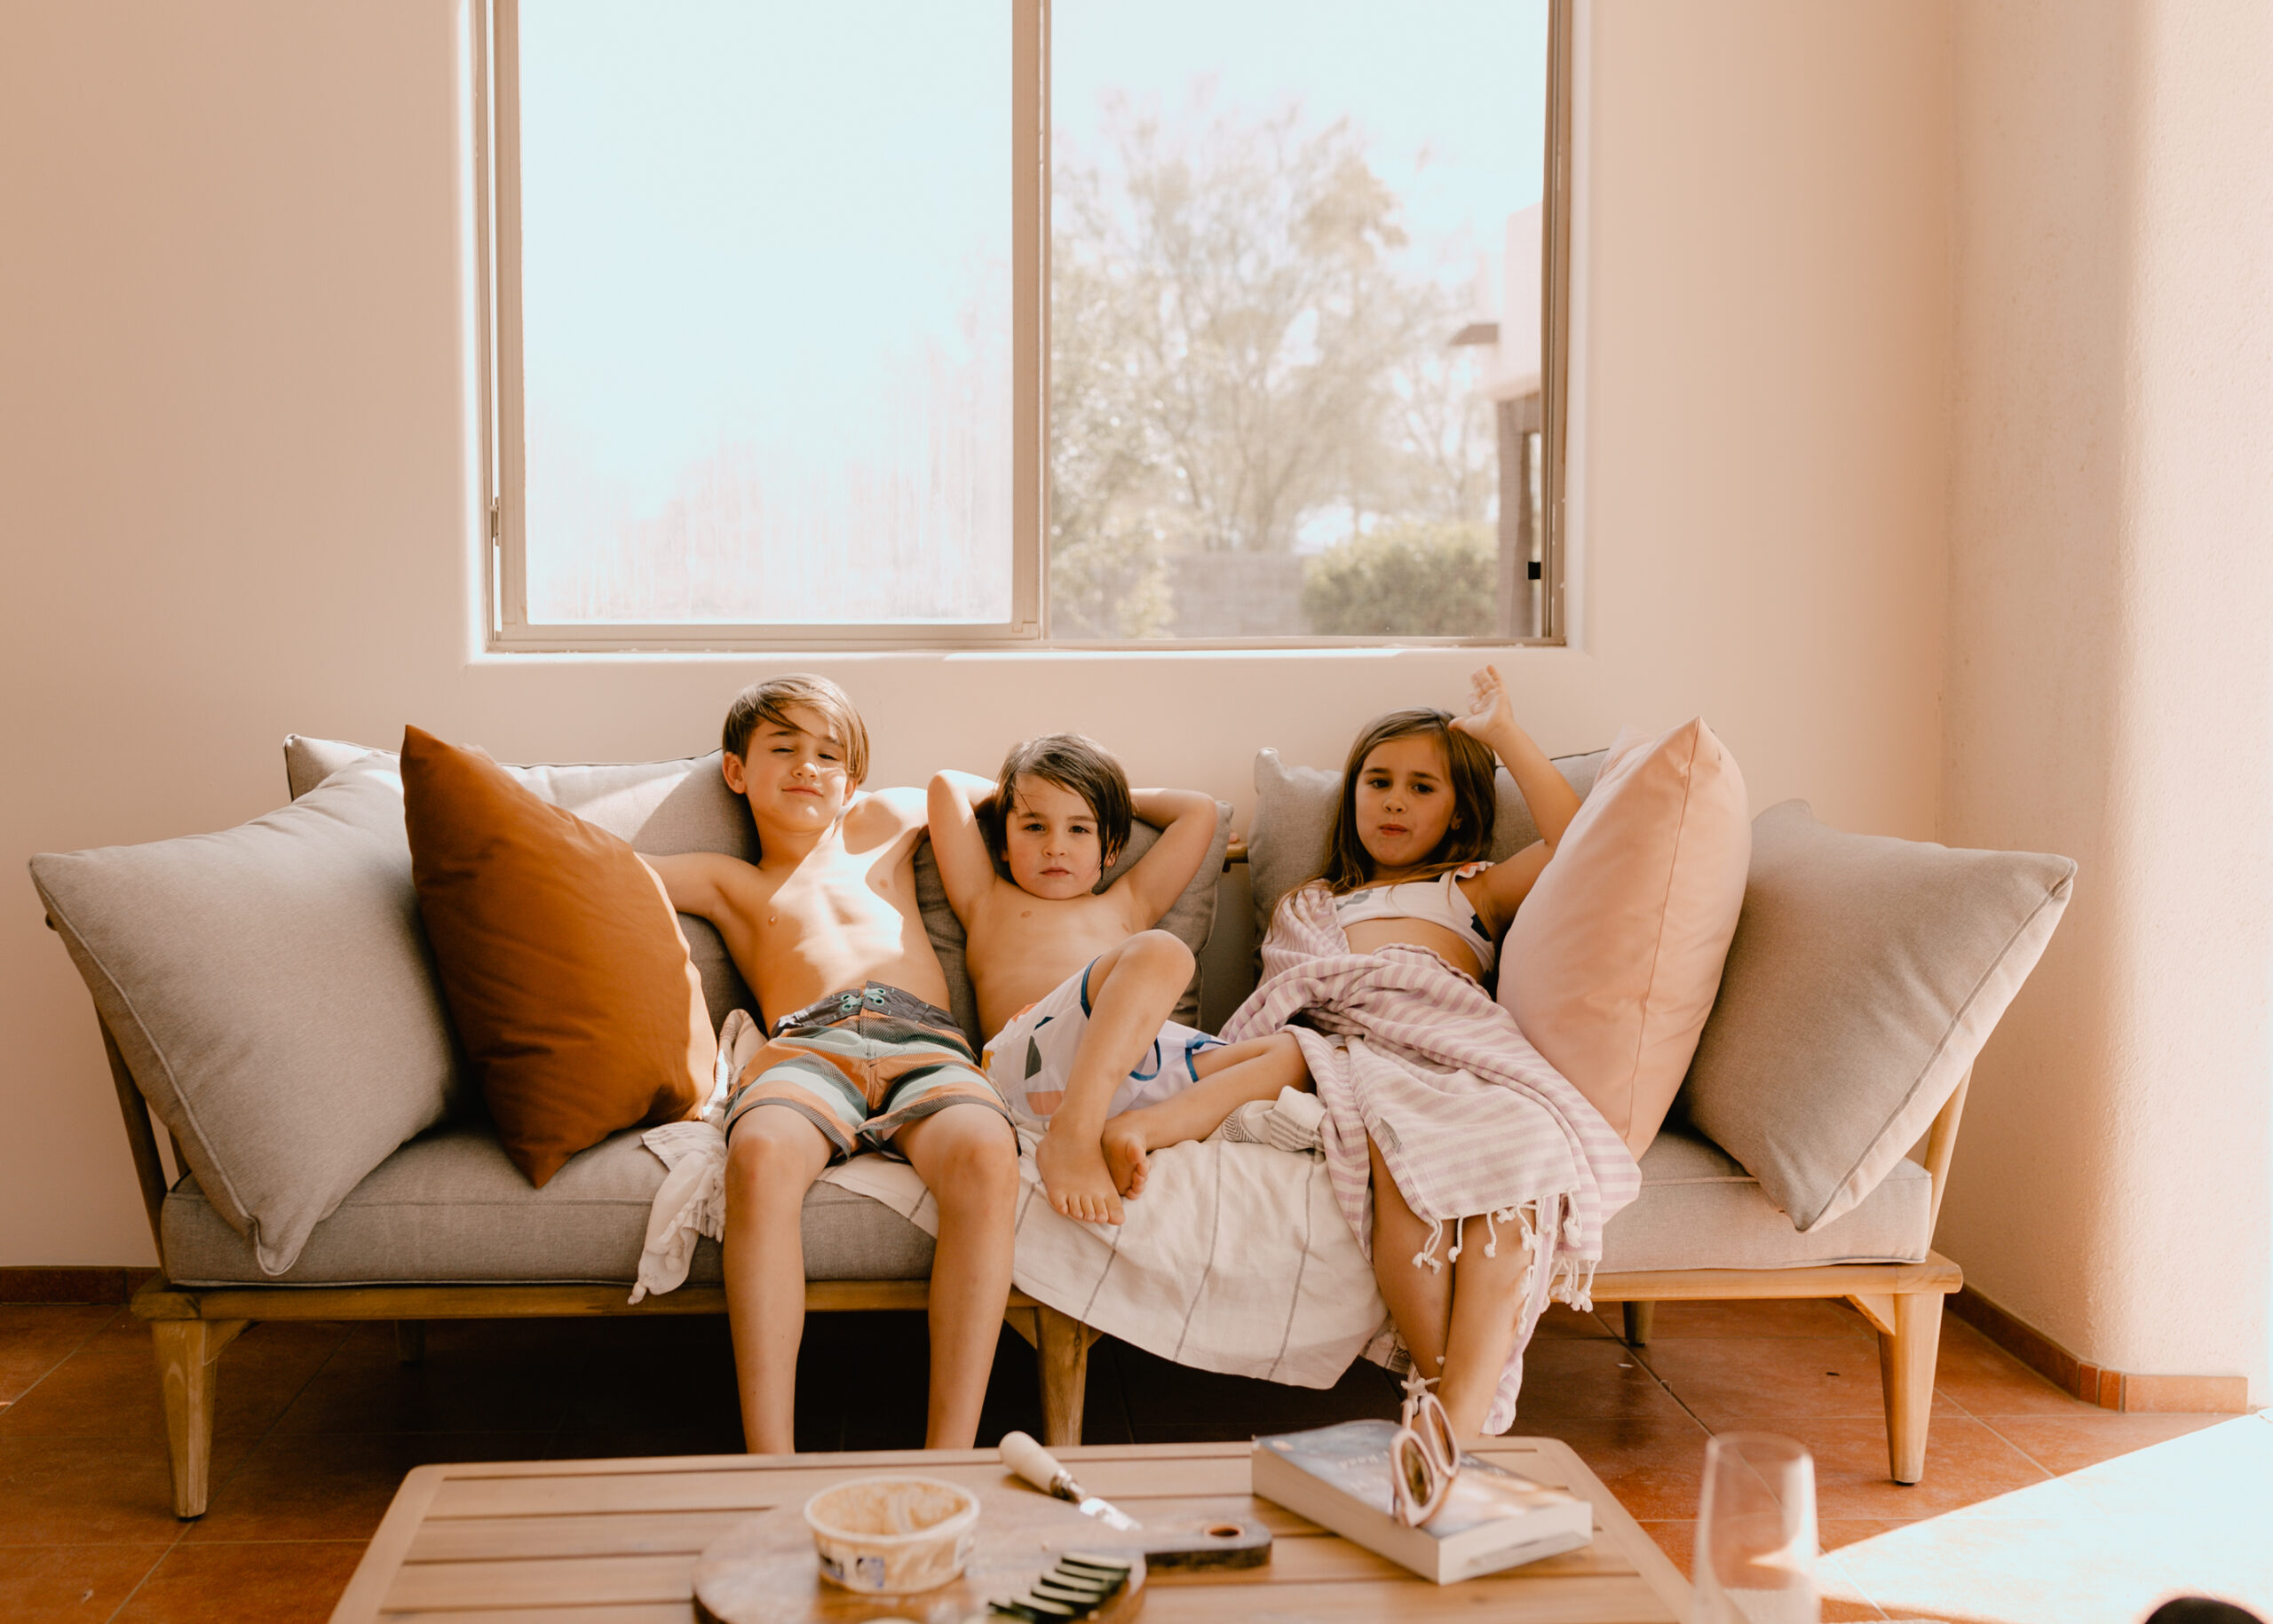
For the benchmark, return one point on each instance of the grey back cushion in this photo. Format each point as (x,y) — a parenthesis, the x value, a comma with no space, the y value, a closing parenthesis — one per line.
(270,990)
(1865,976)
(1294,808)
(667,807)
(662,808)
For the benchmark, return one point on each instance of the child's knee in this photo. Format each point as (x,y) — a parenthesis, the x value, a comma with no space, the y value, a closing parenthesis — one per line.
(979,1157)
(762,1166)
(1158,950)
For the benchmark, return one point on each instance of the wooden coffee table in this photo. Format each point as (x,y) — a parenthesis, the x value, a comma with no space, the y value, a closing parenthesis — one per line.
(615,1541)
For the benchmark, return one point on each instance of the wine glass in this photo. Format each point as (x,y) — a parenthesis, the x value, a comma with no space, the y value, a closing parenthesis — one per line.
(1756,1533)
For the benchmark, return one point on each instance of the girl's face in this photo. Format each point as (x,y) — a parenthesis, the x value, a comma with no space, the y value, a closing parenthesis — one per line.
(1053,844)
(1404,801)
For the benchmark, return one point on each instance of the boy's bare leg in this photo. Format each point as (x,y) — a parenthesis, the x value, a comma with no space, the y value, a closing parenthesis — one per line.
(772,1160)
(1483,1329)
(1132,989)
(1230,1076)
(969,1159)
(1420,1298)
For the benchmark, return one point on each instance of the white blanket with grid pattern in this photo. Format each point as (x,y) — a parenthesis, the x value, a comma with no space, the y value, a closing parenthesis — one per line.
(1235,1258)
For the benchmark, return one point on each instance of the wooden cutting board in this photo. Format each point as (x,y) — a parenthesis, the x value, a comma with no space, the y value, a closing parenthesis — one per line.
(764,1571)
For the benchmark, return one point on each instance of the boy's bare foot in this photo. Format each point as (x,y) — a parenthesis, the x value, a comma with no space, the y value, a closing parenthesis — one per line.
(1076,1177)
(1123,1144)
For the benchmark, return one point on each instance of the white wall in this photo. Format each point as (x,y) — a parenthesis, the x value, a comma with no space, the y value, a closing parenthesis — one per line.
(232,498)
(2110,691)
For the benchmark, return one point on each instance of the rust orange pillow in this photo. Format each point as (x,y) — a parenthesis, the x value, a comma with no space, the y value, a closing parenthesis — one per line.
(1612,961)
(560,956)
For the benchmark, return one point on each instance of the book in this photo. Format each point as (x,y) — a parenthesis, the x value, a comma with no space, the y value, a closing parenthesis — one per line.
(1492,1518)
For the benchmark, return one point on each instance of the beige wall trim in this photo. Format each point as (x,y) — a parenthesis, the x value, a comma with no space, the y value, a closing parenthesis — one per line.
(95,1283)
(2111,1389)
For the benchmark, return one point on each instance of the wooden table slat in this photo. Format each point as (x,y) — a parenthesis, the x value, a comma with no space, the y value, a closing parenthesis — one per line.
(461,1539)
(620,1533)
(1517,1598)
(635,1613)
(558,1581)
(729,1490)
(571,1579)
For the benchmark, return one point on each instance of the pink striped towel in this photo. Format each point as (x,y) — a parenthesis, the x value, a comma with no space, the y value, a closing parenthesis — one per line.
(1471,1122)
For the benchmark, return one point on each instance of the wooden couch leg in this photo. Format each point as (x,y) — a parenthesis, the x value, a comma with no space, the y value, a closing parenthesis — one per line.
(1638,1315)
(186,1351)
(1063,1354)
(409,1342)
(1906,1372)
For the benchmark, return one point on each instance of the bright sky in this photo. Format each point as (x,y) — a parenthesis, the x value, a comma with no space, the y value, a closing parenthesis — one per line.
(741,220)
(1452,92)
(745,222)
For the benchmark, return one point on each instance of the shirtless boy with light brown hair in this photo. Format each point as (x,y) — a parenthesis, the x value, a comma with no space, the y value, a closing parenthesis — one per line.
(1074,987)
(861,1056)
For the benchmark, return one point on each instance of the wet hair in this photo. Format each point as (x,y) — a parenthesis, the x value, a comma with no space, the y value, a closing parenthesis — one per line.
(1077,764)
(1475,803)
(770,701)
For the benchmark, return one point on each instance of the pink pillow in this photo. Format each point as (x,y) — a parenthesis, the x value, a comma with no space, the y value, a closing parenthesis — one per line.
(1612,961)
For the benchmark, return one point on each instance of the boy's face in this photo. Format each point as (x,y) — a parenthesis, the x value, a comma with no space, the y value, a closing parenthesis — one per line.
(1052,841)
(793,775)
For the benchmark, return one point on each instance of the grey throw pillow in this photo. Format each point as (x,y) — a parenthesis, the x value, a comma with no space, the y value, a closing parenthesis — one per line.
(662,808)
(1865,976)
(1294,808)
(271,991)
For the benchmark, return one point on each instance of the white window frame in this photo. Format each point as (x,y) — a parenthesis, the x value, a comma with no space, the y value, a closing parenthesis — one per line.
(507,626)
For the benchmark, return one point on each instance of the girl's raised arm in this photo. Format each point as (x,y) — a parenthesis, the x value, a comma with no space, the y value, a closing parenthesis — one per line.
(1553,802)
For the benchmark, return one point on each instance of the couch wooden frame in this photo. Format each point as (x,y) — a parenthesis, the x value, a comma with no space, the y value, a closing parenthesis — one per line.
(190,1326)
(1902,1301)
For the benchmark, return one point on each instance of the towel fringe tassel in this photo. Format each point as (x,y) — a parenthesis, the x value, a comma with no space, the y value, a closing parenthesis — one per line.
(1426,1257)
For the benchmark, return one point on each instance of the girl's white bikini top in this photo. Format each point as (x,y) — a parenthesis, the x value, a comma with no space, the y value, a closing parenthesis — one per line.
(1439,901)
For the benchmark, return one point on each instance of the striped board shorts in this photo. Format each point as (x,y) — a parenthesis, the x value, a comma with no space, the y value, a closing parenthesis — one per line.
(861,1065)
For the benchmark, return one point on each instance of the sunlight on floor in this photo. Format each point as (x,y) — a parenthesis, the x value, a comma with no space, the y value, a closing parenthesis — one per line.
(2100,1546)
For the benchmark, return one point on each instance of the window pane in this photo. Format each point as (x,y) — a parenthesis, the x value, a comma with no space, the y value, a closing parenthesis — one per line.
(1295,317)
(766,310)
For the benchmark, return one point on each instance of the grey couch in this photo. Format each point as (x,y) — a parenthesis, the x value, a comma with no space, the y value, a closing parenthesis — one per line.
(445,1227)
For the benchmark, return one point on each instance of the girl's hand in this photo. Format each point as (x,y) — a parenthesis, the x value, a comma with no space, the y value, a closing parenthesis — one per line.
(1489,709)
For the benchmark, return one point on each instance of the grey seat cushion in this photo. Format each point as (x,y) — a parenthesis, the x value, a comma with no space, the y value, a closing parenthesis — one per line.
(1699,1209)
(448,1208)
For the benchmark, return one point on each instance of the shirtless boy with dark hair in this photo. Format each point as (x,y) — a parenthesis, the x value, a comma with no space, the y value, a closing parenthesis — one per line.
(862,1055)
(1074,987)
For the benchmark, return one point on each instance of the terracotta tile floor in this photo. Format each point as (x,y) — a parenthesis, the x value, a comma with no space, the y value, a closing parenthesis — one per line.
(318,1424)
